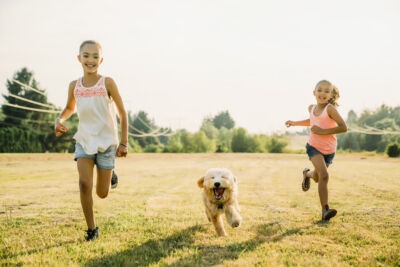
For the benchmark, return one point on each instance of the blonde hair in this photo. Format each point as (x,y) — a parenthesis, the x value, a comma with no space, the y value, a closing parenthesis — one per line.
(334,90)
(90,42)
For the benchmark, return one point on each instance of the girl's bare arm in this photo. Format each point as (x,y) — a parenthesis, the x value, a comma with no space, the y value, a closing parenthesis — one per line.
(59,128)
(114,93)
(299,123)
(334,115)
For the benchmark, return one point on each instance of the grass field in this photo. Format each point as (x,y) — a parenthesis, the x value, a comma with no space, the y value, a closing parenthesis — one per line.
(156,218)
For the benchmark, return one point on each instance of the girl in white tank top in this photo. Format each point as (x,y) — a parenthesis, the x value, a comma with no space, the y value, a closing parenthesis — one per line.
(97,135)
(97,128)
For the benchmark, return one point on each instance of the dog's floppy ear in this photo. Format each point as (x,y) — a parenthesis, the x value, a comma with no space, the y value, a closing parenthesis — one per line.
(200,182)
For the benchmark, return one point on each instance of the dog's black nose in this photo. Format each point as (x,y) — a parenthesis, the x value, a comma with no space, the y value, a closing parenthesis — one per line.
(217,184)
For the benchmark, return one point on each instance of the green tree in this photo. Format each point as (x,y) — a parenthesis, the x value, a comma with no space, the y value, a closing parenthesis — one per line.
(254,144)
(18,140)
(134,146)
(223,119)
(224,140)
(383,118)
(209,129)
(393,150)
(16,116)
(174,144)
(154,148)
(350,141)
(277,143)
(187,141)
(139,124)
(239,140)
(351,117)
(201,143)
(38,126)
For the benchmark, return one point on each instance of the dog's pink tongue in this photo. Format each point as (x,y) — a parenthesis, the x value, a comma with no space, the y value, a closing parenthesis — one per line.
(219,191)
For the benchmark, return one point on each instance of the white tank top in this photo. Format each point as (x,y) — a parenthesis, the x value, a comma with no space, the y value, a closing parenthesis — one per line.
(97,129)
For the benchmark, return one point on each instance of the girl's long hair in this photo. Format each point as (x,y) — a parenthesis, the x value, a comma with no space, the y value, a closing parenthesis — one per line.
(334,90)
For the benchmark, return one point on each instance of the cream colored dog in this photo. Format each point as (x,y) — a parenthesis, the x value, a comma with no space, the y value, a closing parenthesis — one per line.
(220,195)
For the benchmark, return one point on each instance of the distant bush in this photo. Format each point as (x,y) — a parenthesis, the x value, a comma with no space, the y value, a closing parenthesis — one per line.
(154,148)
(134,146)
(201,144)
(16,140)
(174,144)
(240,140)
(277,143)
(393,150)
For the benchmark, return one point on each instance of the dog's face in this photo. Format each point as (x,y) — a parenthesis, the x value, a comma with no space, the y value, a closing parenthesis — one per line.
(218,184)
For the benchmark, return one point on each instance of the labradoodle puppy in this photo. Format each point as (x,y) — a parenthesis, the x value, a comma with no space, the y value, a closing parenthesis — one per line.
(219,196)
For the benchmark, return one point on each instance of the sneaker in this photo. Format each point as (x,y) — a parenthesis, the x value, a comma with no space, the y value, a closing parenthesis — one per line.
(92,234)
(328,213)
(114,180)
(305,185)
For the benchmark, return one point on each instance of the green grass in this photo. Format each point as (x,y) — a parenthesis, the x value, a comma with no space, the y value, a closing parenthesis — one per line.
(156,218)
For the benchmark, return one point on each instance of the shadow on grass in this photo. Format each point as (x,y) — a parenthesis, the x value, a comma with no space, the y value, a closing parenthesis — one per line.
(214,255)
(322,223)
(153,251)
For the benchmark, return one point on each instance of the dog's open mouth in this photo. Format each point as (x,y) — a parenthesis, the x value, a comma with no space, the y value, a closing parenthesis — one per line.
(218,193)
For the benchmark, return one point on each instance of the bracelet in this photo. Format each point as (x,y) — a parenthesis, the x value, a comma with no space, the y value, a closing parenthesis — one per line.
(61,120)
(121,144)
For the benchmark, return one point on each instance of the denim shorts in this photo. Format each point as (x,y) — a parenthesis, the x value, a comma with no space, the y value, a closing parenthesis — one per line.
(312,151)
(103,160)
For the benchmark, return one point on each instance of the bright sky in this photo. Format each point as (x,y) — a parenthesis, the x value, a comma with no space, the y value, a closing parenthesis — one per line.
(183,60)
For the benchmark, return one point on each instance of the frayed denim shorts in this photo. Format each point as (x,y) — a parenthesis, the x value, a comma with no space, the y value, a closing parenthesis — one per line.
(103,160)
(312,151)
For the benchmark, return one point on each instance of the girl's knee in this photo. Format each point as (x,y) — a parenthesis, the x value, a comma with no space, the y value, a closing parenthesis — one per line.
(85,186)
(102,193)
(323,176)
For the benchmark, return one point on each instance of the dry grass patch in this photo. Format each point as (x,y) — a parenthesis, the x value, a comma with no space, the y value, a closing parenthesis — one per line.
(156,217)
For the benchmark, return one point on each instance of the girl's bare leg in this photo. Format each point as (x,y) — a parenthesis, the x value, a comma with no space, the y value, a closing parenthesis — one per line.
(321,176)
(313,174)
(103,182)
(85,169)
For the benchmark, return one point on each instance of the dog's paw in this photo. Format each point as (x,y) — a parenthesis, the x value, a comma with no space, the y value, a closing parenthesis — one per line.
(235,224)
(222,234)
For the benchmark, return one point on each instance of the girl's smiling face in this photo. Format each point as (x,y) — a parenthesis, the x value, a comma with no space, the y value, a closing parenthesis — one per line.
(90,58)
(323,93)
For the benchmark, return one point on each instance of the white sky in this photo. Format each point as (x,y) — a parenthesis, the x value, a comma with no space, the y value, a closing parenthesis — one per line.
(183,60)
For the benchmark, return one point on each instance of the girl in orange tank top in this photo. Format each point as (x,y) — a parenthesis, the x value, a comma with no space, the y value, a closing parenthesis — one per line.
(325,122)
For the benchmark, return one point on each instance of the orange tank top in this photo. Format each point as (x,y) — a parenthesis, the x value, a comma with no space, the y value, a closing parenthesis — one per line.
(326,144)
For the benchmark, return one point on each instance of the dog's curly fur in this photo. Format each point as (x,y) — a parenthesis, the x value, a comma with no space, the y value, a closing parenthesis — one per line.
(220,192)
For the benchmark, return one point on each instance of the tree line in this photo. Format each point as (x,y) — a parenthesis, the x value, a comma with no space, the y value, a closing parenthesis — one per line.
(385,119)
(33,132)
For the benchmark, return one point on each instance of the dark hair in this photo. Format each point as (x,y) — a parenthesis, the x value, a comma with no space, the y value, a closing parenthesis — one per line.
(89,42)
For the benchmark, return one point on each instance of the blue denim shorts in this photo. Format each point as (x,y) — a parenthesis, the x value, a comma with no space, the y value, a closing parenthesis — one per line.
(103,160)
(312,151)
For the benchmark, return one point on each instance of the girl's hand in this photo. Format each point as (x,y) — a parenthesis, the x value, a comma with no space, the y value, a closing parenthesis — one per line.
(289,123)
(317,130)
(59,129)
(122,151)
